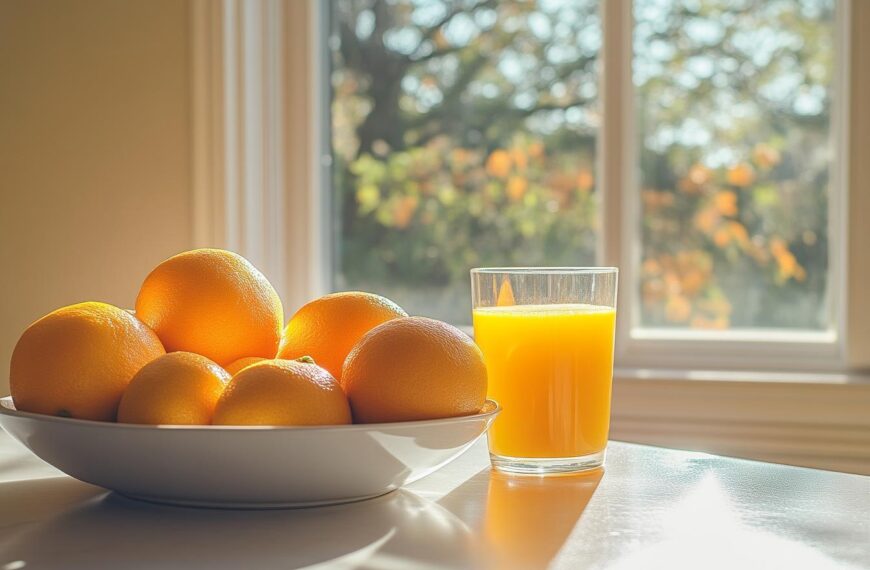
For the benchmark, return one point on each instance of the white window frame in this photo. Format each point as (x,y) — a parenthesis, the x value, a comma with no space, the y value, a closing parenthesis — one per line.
(259,186)
(757,349)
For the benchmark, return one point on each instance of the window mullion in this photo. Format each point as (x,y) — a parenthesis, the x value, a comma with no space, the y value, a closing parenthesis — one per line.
(616,164)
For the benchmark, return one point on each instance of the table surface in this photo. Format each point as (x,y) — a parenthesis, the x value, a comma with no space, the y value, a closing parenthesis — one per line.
(649,508)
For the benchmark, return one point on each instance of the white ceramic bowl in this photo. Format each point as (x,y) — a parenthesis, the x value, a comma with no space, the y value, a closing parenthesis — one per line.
(246,467)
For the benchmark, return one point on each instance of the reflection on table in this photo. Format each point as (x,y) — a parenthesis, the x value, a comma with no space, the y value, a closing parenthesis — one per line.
(528,519)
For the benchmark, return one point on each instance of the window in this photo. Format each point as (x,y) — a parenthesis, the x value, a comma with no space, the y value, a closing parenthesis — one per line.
(449,134)
(733,111)
(464,134)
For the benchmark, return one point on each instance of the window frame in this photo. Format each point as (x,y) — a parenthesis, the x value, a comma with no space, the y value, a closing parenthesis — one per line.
(753,349)
(263,190)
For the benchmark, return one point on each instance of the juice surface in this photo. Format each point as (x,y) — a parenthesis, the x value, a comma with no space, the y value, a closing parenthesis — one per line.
(550,367)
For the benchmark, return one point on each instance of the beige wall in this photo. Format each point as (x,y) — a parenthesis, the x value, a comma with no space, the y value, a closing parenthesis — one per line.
(94,152)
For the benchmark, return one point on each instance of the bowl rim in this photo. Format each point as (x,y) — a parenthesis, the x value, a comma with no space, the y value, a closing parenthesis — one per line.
(490,409)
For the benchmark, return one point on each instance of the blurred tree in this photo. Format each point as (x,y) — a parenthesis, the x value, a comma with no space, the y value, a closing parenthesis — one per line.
(464,134)
(734,106)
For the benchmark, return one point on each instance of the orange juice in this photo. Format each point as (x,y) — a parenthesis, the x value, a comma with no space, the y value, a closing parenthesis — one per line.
(550,368)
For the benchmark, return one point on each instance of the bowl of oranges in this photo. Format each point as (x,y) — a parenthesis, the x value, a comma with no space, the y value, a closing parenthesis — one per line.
(201,395)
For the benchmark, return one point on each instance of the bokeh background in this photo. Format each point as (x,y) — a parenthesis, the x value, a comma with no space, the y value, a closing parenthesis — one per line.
(465,134)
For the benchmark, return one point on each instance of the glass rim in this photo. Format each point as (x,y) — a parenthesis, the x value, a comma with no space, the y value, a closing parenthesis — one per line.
(545,270)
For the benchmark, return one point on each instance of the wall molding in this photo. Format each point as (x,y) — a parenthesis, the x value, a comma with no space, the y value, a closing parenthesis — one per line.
(208,123)
(238,181)
(255,139)
(825,425)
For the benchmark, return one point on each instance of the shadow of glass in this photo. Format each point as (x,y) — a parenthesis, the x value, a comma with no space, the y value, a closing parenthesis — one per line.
(527,519)
(94,530)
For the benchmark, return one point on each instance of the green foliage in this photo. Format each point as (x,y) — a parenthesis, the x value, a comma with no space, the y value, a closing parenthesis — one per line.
(430,213)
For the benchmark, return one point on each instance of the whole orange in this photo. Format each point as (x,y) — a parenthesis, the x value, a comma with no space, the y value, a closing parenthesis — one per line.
(414,369)
(327,328)
(212,302)
(282,393)
(236,366)
(176,388)
(77,361)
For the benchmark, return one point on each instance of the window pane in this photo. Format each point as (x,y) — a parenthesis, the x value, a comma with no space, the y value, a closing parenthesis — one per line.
(733,110)
(463,135)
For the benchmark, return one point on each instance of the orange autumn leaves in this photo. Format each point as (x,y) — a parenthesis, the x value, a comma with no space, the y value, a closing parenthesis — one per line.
(511,166)
(419,185)
(499,163)
(516,200)
(789,268)
(679,285)
(502,162)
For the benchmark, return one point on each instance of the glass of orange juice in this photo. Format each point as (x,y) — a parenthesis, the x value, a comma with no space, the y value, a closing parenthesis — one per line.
(547,338)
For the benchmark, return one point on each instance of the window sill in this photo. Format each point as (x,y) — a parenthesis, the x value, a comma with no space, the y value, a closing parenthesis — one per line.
(785,377)
(813,420)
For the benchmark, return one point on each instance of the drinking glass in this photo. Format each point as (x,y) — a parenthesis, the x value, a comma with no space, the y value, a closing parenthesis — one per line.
(547,338)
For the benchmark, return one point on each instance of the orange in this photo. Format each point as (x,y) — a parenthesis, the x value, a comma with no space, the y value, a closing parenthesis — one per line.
(77,361)
(414,369)
(176,388)
(214,303)
(282,393)
(328,328)
(236,366)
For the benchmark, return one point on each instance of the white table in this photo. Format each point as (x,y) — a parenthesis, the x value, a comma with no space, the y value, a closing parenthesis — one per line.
(651,508)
